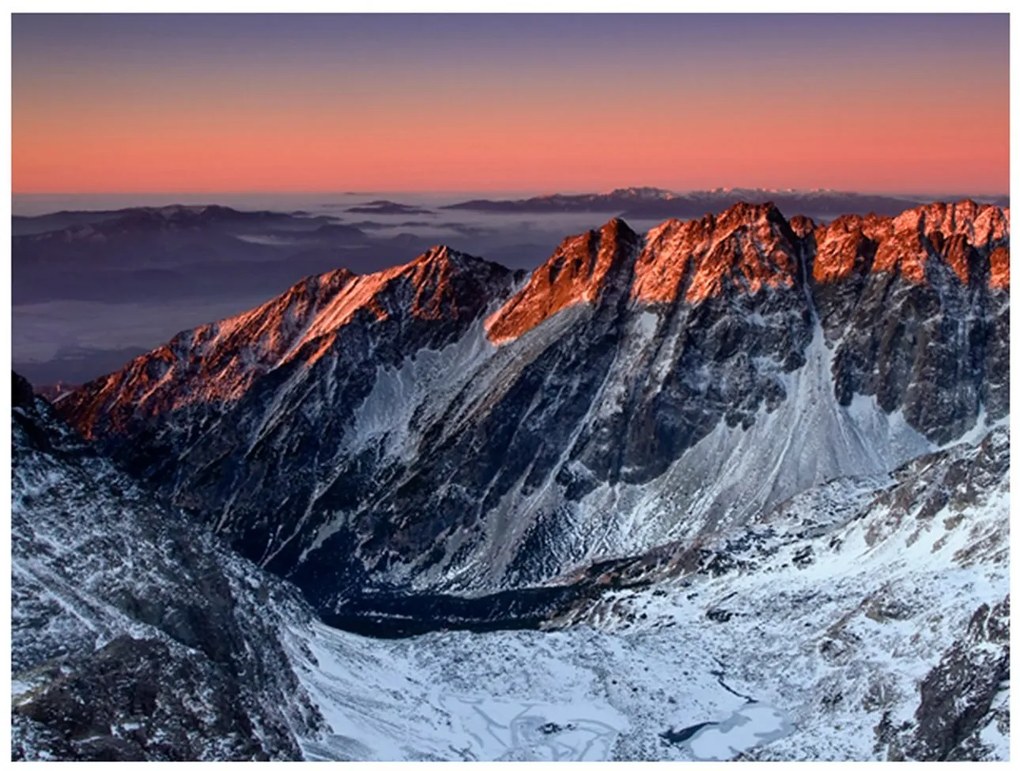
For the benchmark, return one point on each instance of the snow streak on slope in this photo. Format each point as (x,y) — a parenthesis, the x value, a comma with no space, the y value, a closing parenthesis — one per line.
(410,397)
(730,476)
(734,472)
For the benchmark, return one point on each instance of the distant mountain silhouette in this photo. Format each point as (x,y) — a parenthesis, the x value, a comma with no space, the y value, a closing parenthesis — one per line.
(656,203)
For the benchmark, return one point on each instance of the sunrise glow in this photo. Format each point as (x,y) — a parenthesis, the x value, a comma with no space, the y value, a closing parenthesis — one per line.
(221,103)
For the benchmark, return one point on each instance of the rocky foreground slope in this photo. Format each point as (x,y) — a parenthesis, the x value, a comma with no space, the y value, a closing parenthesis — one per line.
(865,618)
(135,634)
(448,426)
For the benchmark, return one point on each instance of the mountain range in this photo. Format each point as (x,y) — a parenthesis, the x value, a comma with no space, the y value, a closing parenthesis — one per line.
(77,273)
(776,444)
(452,426)
(656,203)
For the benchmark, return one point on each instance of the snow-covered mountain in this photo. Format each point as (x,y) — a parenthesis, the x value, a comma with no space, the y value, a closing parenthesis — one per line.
(866,618)
(447,426)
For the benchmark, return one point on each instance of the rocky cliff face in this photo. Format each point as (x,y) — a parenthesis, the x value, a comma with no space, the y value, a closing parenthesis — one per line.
(426,303)
(584,269)
(445,426)
(918,308)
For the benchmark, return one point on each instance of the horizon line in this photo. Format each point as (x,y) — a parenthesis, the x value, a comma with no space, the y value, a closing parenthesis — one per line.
(493,191)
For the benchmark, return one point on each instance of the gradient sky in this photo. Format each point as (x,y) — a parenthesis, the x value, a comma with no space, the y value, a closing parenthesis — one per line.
(207,103)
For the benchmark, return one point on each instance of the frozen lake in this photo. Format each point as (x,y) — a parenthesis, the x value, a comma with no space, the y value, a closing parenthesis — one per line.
(752,725)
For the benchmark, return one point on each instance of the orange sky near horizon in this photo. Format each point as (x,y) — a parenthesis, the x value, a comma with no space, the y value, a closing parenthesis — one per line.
(202,116)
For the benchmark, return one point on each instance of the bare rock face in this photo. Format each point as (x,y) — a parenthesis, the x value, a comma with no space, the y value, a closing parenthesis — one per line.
(917,307)
(445,425)
(135,700)
(744,250)
(957,695)
(426,302)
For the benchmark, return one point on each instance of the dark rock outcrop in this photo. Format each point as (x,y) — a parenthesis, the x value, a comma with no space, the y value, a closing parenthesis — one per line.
(957,696)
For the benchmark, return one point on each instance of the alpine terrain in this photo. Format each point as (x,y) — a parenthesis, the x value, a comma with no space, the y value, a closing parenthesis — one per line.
(736,487)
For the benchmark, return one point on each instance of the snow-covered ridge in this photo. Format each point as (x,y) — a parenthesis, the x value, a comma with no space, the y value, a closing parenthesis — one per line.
(217,363)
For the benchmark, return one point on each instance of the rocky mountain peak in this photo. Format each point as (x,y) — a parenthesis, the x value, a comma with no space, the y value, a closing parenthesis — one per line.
(746,248)
(578,272)
(971,238)
(217,363)
(802,226)
(443,257)
(745,212)
(436,277)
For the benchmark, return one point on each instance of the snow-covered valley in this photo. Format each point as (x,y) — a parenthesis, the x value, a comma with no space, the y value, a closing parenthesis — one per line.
(804,638)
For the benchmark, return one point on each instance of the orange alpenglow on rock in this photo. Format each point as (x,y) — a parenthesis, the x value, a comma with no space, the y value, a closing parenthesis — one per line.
(751,247)
(748,246)
(577,272)
(301,325)
(999,258)
(905,243)
(427,276)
